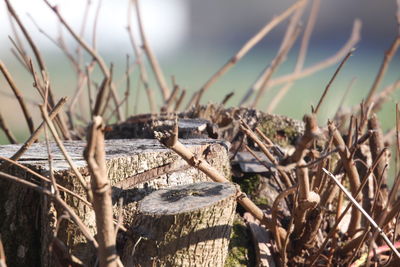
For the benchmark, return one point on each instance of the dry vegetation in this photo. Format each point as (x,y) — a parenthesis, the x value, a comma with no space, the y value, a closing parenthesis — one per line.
(319,225)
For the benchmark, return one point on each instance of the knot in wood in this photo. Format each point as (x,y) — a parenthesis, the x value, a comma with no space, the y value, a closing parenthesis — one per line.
(194,161)
(101,190)
(241,196)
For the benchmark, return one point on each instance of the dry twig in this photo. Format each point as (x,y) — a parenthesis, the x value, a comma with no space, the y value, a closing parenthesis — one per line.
(247,47)
(373,223)
(151,56)
(100,186)
(10,136)
(18,95)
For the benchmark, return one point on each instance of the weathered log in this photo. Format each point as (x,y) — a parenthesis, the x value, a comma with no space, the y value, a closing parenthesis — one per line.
(135,168)
(186,225)
(144,125)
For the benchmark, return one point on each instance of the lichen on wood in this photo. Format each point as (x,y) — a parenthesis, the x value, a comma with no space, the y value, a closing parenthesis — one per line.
(186,225)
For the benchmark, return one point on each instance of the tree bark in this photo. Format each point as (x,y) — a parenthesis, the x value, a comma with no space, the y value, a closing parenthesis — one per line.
(136,167)
(187,225)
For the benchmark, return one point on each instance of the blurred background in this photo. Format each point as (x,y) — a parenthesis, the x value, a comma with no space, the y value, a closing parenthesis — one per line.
(193,39)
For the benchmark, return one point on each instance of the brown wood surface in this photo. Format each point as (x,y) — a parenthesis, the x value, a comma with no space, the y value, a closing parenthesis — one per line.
(136,167)
(187,225)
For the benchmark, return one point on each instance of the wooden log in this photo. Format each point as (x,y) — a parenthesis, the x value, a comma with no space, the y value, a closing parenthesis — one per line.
(136,167)
(186,225)
(144,125)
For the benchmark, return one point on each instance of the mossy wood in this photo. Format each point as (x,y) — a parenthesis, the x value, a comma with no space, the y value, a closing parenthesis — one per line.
(136,167)
(186,225)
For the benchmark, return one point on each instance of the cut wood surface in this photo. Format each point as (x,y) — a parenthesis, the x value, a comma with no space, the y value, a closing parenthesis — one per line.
(144,125)
(187,225)
(136,167)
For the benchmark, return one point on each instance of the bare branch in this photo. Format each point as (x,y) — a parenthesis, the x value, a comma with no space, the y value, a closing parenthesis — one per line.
(18,95)
(7,131)
(366,215)
(331,80)
(61,202)
(100,186)
(247,47)
(389,54)
(151,56)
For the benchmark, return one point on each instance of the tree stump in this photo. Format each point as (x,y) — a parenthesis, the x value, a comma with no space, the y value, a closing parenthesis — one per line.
(136,167)
(186,225)
(144,125)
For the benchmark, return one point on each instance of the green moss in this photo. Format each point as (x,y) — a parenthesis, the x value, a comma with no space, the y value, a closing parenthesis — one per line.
(241,251)
(259,201)
(281,130)
(248,184)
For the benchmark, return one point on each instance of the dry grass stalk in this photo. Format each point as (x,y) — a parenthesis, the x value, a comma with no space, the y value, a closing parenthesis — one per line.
(246,48)
(100,186)
(151,56)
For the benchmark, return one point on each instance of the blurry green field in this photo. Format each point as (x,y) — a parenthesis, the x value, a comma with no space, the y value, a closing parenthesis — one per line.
(193,68)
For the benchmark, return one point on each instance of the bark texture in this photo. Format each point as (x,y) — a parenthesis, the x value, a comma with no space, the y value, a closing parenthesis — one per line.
(187,225)
(136,167)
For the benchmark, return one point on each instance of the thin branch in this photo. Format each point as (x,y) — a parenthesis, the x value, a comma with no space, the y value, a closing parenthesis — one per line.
(18,95)
(366,215)
(10,136)
(171,141)
(151,56)
(35,136)
(344,212)
(103,67)
(61,202)
(352,173)
(353,40)
(246,48)
(53,182)
(67,157)
(35,50)
(139,60)
(100,186)
(45,179)
(179,101)
(278,60)
(315,111)
(389,54)
(291,34)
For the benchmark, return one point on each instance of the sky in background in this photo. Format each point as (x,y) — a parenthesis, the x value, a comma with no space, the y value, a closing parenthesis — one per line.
(194,38)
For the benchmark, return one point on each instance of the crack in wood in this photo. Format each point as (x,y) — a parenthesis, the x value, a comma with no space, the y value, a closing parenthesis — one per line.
(152,174)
